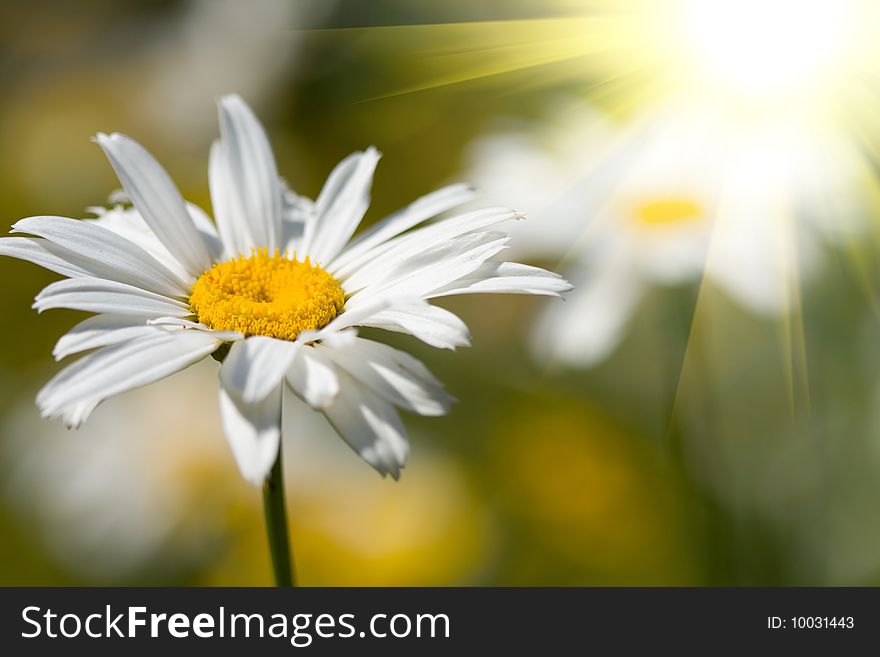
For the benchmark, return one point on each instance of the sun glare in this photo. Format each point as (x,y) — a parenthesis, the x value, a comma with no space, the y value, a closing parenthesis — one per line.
(818,56)
(768,46)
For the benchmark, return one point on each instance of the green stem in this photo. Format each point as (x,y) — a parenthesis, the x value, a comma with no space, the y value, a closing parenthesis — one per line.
(276,525)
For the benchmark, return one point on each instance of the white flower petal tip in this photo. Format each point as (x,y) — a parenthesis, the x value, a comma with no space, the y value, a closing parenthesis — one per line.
(119,367)
(340,206)
(100,331)
(507,278)
(394,375)
(74,417)
(118,197)
(432,325)
(102,296)
(98,251)
(384,461)
(387,465)
(394,474)
(370,425)
(253,432)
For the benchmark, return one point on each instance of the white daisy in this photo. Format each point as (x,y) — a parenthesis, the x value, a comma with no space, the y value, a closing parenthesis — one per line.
(664,199)
(280,283)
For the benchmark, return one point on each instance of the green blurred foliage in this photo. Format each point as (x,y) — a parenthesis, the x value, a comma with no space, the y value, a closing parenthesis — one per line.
(701,452)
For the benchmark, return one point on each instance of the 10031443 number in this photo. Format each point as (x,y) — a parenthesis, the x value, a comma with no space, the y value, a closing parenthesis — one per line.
(822,622)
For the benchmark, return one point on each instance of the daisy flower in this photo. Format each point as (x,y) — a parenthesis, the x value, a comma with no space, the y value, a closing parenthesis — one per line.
(275,289)
(664,199)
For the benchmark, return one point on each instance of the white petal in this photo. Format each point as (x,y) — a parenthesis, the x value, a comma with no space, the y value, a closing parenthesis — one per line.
(207,230)
(332,338)
(99,296)
(129,224)
(253,432)
(347,319)
(226,336)
(73,416)
(233,228)
(507,277)
(312,377)
(108,255)
(120,367)
(435,326)
(340,206)
(45,254)
(296,212)
(256,366)
(245,190)
(412,215)
(100,331)
(391,373)
(591,323)
(419,276)
(373,264)
(370,425)
(158,200)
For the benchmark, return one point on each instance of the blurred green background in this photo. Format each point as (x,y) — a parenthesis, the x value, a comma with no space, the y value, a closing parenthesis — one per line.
(705,450)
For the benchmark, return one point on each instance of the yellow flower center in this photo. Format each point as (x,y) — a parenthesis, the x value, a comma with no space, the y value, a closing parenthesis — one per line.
(273,296)
(668,212)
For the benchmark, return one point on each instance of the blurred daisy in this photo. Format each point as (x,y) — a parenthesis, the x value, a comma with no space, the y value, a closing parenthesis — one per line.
(158,501)
(208,46)
(275,291)
(161,503)
(664,199)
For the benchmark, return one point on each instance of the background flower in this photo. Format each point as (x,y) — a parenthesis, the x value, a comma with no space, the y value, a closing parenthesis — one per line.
(146,497)
(668,197)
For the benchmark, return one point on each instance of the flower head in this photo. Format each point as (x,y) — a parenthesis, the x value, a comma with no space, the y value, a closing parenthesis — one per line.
(665,198)
(279,285)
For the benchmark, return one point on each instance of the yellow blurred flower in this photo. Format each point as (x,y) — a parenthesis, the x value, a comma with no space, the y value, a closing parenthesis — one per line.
(594,497)
(350,528)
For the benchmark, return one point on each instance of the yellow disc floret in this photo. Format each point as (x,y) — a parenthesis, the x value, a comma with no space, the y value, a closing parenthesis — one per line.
(668,212)
(266,295)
